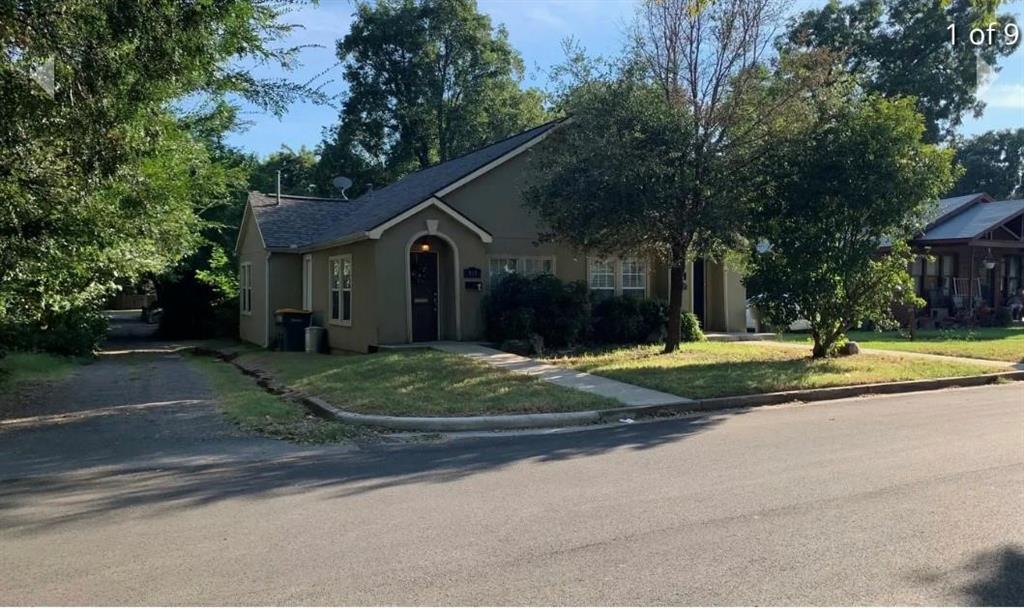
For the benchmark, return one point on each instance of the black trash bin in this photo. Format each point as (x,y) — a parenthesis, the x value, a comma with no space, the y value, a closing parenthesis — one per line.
(291,328)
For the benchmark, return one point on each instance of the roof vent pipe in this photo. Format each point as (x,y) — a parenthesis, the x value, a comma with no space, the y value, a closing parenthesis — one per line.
(278,186)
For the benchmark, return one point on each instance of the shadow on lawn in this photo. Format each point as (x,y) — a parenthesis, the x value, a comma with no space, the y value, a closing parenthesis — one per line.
(172,482)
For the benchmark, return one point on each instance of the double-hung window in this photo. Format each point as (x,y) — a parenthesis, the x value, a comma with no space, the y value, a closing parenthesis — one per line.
(602,278)
(340,289)
(634,277)
(617,276)
(245,288)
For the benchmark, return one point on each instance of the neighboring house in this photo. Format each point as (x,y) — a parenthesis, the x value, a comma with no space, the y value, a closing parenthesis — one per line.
(411,262)
(972,255)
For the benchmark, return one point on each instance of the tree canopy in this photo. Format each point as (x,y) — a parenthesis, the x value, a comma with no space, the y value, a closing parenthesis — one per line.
(609,181)
(993,162)
(649,162)
(298,173)
(428,80)
(902,48)
(833,190)
(103,179)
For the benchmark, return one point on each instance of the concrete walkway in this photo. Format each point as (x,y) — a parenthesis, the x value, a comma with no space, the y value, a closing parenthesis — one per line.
(627,394)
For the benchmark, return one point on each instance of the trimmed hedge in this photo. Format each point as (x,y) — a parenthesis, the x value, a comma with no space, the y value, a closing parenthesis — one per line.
(519,309)
(626,320)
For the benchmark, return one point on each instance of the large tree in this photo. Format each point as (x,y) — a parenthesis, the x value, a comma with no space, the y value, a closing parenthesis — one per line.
(673,190)
(608,182)
(832,191)
(993,162)
(297,170)
(102,177)
(902,48)
(428,80)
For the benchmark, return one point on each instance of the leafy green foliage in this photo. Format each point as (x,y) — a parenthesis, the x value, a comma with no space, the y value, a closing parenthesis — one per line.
(626,320)
(901,48)
(690,330)
(833,189)
(649,163)
(614,179)
(518,307)
(105,180)
(298,174)
(428,80)
(993,162)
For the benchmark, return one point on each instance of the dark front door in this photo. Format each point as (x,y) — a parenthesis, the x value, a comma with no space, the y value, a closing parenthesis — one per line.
(698,290)
(423,279)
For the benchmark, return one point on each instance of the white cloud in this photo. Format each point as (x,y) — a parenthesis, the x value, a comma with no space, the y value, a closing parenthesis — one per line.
(1004,95)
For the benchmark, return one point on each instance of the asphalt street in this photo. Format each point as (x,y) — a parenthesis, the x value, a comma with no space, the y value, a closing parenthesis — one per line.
(144,496)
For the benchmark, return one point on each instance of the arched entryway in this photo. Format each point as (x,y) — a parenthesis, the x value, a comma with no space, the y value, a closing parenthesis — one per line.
(433,308)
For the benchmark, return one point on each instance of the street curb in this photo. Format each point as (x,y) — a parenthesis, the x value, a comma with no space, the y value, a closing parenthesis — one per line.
(588,417)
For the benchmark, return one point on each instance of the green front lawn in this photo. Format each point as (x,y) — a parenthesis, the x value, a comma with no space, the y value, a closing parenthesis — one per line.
(18,367)
(720,369)
(258,411)
(418,383)
(995,343)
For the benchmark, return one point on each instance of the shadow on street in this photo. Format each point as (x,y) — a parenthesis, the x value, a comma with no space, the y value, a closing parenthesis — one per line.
(1000,578)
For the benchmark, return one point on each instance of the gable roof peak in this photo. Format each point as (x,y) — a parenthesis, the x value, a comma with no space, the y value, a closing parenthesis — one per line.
(310,221)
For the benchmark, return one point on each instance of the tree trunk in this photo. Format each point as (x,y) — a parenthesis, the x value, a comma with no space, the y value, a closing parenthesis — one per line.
(675,302)
(820,349)
(825,341)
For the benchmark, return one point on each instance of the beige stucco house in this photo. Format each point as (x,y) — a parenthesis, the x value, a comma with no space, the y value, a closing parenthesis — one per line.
(411,262)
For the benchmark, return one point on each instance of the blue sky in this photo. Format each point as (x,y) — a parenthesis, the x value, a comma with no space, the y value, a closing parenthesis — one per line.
(536,28)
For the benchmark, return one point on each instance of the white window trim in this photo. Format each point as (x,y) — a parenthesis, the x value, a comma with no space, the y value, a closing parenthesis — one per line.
(341,259)
(617,266)
(433,201)
(245,289)
(307,282)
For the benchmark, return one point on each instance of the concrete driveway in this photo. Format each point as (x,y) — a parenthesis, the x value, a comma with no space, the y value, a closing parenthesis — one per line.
(910,499)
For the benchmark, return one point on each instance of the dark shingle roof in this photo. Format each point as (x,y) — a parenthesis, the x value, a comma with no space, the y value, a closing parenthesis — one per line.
(303,222)
(974,221)
(296,221)
(951,206)
(944,210)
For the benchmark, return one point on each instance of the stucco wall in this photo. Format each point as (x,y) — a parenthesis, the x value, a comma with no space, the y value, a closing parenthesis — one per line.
(735,301)
(285,281)
(494,201)
(660,283)
(363,331)
(392,272)
(253,327)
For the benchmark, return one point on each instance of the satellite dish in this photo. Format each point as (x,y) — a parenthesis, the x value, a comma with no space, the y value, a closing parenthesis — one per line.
(342,183)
